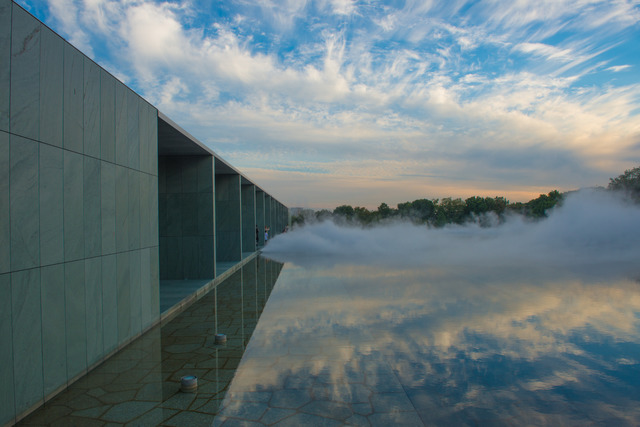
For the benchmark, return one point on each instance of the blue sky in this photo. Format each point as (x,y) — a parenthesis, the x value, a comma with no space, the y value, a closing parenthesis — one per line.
(330,102)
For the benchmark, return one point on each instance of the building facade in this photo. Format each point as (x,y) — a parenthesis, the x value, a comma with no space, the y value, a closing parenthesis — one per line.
(102,197)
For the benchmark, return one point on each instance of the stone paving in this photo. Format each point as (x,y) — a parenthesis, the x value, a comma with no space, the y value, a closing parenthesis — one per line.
(140,385)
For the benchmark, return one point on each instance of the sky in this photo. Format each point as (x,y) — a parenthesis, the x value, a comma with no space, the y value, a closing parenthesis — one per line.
(331,102)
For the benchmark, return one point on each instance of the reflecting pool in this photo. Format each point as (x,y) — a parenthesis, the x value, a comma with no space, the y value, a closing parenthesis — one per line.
(442,345)
(140,385)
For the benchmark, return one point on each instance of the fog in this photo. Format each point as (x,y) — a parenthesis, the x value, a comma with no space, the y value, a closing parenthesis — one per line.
(594,231)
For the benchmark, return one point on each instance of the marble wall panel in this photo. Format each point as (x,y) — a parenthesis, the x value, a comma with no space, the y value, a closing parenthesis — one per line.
(25,74)
(73,206)
(153,210)
(73,109)
(173,215)
(191,257)
(27,338)
(109,303)
(205,174)
(75,318)
(248,218)
(134,209)
(108,207)
(24,203)
(205,214)
(92,208)
(206,257)
(122,149)
(135,291)
(54,351)
(133,131)
(154,303)
(228,246)
(145,213)
(189,207)
(122,208)
(5,225)
(171,258)
(146,315)
(260,215)
(162,177)
(91,105)
(123,284)
(143,132)
(153,137)
(7,403)
(51,84)
(5,65)
(51,205)
(107,116)
(189,166)
(93,298)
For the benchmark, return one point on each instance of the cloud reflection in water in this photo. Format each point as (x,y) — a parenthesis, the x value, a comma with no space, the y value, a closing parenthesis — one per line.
(527,323)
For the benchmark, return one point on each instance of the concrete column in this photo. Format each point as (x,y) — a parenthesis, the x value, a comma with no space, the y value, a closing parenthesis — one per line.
(260,215)
(249,218)
(228,218)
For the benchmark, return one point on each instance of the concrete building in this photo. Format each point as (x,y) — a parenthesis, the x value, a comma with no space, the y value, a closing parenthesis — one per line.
(102,200)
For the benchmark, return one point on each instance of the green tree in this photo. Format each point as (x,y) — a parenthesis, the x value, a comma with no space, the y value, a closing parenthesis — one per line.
(384,211)
(629,182)
(345,211)
(537,208)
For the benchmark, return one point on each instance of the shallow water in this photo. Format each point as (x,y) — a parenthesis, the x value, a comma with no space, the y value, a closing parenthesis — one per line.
(350,343)
(140,385)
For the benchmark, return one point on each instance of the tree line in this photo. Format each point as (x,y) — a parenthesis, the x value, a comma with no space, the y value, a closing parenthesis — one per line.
(440,212)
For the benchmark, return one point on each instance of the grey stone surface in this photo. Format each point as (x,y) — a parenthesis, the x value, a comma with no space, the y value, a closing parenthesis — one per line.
(75,315)
(5,226)
(5,65)
(134,209)
(91,107)
(51,205)
(144,135)
(108,207)
(53,327)
(153,210)
(73,99)
(205,214)
(122,208)
(248,218)
(27,338)
(107,116)
(24,204)
(7,404)
(25,74)
(154,261)
(153,138)
(135,291)
(73,206)
(92,208)
(93,298)
(189,207)
(146,315)
(124,295)
(109,303)
(133,131)
(121,148)
(51,84)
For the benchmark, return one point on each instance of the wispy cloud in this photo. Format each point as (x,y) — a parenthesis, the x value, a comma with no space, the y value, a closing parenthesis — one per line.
(334,80)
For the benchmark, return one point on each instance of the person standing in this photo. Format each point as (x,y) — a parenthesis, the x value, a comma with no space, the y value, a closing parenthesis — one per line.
(266,235)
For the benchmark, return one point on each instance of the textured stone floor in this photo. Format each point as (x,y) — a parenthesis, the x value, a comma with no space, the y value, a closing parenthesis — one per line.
(140,385)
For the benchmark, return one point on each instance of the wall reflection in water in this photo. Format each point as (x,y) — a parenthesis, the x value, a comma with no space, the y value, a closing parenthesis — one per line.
(449,345)
(140,385)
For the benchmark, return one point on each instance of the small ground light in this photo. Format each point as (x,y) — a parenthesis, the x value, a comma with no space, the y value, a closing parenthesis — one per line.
(221,338)
(189,383)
